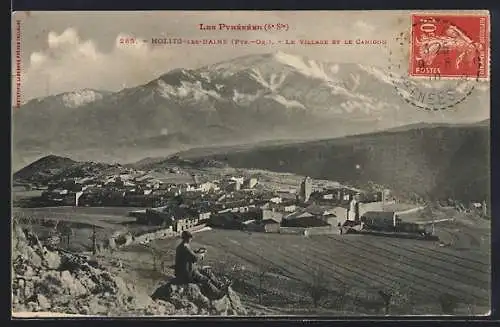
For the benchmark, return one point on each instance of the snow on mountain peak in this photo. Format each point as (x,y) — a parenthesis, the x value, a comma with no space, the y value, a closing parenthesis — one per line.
(307,67)
(287,103)
(79,98)
(186,89)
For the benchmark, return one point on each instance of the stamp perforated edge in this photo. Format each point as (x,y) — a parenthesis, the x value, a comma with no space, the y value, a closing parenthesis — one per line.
(465,13)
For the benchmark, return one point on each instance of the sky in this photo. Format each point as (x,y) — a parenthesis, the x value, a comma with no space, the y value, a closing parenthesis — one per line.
(68,51)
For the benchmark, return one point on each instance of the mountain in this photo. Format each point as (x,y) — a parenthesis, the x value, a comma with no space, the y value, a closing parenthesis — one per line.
(53,167)
(485,123)
(46,166)
(438,162)
(247,99)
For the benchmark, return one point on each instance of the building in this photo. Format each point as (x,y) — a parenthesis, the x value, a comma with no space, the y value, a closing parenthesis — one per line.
(340,213)
(208,187)
(62,197)
(181,218)
(353,214)
(185,223)
(154,216)
(271,214)
(305,189)
(324,213)
(271,226)
(313,216)
(234,220)
(139,199)
(240,180)
(380,220)
(265,225)
(368,197)
(304,220)
(196,180)
(485,207)
(235,186)
(250,183)
(277,211)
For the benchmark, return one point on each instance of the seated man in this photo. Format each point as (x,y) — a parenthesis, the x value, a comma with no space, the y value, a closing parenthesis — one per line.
(186,271)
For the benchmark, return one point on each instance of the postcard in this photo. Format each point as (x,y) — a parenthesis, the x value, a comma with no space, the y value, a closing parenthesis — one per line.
(251,163)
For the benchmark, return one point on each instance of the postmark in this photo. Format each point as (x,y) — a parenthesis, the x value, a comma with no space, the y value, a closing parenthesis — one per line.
(443,70)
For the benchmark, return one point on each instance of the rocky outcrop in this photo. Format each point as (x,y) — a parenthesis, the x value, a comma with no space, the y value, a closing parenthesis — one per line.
(56,280)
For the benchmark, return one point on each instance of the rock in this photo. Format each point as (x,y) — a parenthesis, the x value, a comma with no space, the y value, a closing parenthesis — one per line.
(191,308)
(191,299)
(32,306)
(28,254)
(95,307)
(220,306)
(236,305)
(29,271)
(71,285)
(49,284)
(61,281)
(29,289)
(52,259)
(18,285)
(168,307)
(84,310)
(193,293)
(120,285)
(160,308)
(43,302)
(88,283)
(18,234)
(112,243)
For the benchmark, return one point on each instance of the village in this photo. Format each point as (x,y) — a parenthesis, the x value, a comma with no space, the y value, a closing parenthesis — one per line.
(194,201)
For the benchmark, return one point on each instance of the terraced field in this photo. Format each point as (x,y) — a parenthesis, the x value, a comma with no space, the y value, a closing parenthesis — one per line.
(108,220)
(423,269)
(104,217)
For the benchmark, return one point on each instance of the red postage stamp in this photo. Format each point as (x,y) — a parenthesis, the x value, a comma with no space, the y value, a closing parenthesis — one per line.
(453,46)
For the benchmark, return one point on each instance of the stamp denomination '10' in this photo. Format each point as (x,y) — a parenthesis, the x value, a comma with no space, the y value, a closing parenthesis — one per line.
(452,46)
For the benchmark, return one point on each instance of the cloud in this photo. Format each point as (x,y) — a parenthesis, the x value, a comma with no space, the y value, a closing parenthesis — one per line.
(68,37)
(71,63)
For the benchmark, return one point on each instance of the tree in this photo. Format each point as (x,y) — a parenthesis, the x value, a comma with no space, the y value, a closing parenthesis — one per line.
(94,240)
(261,276)
(386,297)
(396,296)
(158,260)
(448,303)
(318,287)
(65,230)
(341,295)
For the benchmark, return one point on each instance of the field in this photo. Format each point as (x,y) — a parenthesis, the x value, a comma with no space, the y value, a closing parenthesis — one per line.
(105,217)
(422,270)
(275,273)
(108,220)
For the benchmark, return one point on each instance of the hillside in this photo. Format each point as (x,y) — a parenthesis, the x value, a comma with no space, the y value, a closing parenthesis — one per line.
(47,166)
(54,167)
(50,279)
(438,161)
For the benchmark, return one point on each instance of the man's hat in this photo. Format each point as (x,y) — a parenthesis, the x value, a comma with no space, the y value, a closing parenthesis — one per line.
(185,235)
